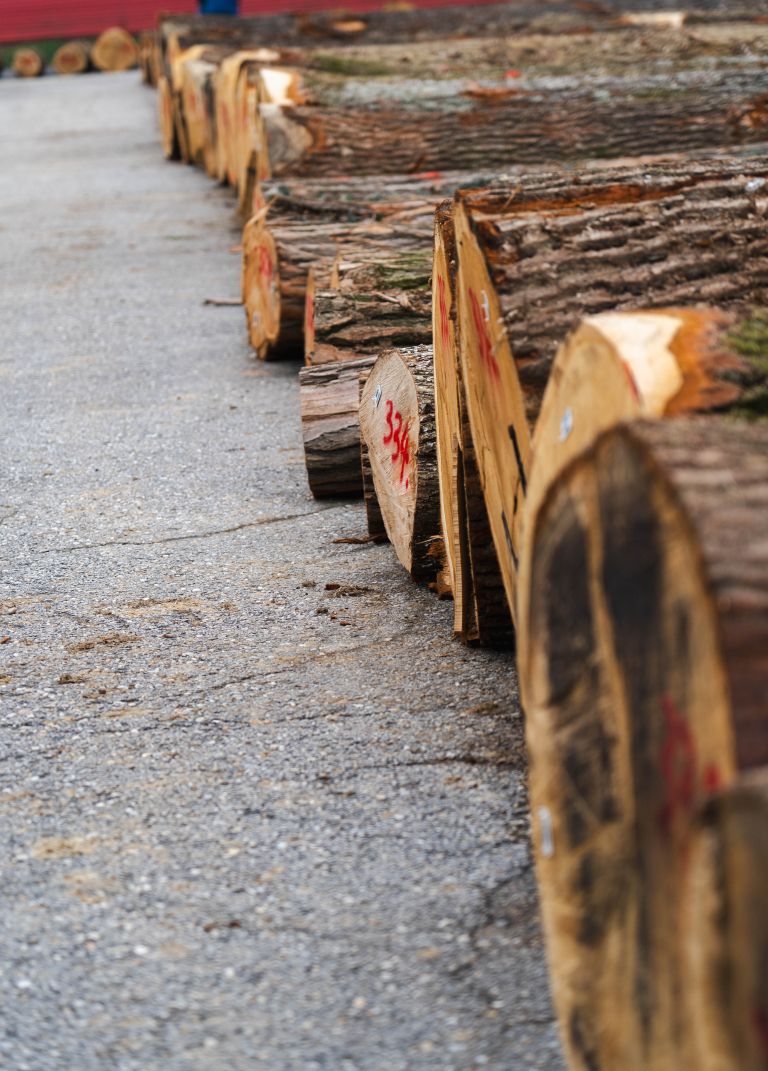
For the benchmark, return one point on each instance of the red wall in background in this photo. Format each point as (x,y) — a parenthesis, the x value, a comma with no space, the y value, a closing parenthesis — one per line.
(23,20)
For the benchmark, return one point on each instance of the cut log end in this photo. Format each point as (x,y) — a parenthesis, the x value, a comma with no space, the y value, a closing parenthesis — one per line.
(74,57)
(261,289)
(634,644)
(28,63)
(397,425)
(115,50)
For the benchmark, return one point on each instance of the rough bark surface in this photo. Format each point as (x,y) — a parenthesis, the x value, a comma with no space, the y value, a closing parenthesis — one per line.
(329,398)
(386,125)
(379,303)
(624,238)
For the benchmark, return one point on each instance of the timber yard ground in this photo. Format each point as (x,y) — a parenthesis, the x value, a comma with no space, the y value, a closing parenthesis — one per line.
(247,821)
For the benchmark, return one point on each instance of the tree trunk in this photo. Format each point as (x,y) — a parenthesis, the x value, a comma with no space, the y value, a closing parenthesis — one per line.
(618,366)
(480,611)
(472,114)
(329,423)
(726,931)
(657,237)
(178,32)
(643,682)
(149,56)
(165,111)
(374,520)
(74,57)
(397,425)
(28,63)
(310,223)
(380,301)
(115,50)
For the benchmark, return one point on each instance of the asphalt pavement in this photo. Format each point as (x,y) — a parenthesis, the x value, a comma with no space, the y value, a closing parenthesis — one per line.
(247,820)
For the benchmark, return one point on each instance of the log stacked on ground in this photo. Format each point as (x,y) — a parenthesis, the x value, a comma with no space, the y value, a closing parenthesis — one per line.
(643,673)
(329,396)
(379,302)
(558,248)
(73,57)
(310,223)
(725,929)
(397,425)
(480,610)
(28,63)
(115,50)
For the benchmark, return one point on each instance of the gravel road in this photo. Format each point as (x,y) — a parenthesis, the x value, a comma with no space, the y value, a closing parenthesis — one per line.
(247,821)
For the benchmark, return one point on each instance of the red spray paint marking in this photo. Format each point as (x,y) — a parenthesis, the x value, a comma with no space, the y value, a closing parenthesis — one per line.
(265,264)
(434,175)
(678,764)
(631,380)
(445,331)
(486,350)
(400,437)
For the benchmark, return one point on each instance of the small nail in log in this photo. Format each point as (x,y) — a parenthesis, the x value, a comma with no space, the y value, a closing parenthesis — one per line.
(115,50)
(28,63)
(644,684)
(74,57)
(598,241)
(380,302)
(480,611)
(726,929)
(397,424)
(329,396)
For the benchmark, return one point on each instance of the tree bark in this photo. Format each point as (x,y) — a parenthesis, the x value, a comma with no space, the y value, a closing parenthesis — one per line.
(477,117)
(115,50)
(653,237)
(28,63)
(380,301)
(726,932)
(330,426)
(310,223)
(74,57)
(397,425)
(643,684)
(480,611)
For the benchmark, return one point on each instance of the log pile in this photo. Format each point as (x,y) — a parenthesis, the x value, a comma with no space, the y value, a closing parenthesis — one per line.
(523,262)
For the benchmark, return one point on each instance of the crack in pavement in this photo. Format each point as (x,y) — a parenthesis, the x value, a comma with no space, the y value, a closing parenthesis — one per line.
(191,535)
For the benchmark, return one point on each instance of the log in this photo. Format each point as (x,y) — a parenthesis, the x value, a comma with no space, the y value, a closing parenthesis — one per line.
(725,929)
(149,56)
(115,50)
(310,223)
(480,611)
(618,366)
(168,132)
(380,301)
(329,396)
(643,684)
(373,518)
(73,57)
(194,74)
(28,63)
(397,425)
(563,248)
(466,111)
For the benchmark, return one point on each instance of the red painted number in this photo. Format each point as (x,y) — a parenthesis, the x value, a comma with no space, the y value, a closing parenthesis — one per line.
(679,766)
(398,435)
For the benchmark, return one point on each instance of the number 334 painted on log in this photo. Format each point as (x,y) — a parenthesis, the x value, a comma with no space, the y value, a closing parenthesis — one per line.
(399,436)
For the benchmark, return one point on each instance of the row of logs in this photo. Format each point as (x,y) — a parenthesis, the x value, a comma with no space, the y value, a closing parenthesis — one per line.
(523,258)
(114,50)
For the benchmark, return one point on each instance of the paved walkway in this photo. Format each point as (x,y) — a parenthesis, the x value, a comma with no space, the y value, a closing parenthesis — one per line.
(246,822)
